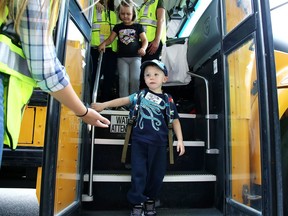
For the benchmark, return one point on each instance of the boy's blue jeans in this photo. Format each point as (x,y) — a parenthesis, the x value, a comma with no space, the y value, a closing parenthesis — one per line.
(148,168)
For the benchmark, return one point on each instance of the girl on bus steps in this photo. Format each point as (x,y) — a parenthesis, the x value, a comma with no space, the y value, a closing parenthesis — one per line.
(130,49)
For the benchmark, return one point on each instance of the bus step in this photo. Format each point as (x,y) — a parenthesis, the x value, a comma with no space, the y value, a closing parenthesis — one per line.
(160,211)
(121,142)
(110,176)
(192,160)
(179,190)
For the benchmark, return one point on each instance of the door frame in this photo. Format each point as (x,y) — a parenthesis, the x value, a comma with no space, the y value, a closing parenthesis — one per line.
(70,10)
(259,24)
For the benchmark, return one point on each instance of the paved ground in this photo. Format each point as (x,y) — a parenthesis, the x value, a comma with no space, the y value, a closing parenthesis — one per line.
(18,202)
(23,202)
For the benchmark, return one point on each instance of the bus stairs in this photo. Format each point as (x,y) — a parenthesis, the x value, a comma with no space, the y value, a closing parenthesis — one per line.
(187,185)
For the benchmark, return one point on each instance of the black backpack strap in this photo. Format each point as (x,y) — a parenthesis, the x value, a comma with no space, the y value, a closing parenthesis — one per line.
(132,118)
(170,141)
(170,117)
(127,138)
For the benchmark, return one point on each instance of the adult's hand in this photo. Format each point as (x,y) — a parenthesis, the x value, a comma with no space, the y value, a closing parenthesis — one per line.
(99,7)
(96,119)
(153,47)
(70,99)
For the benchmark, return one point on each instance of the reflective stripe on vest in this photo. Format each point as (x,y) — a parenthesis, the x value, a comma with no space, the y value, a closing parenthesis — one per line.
(12,61)
(147,22)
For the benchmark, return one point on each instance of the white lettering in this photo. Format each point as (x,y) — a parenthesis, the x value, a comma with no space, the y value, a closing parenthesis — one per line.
(118,128)
(118,124)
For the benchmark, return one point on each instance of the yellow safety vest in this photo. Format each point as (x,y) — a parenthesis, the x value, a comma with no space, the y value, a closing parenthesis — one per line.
(102,26)
(148,19)
(18,87)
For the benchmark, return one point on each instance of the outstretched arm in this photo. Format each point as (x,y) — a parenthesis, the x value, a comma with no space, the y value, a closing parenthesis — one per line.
(177,129)
(112,103)
(69,98)
(45,67)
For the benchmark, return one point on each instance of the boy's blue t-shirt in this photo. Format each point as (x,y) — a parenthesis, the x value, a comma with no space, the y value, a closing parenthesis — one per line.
(151,125)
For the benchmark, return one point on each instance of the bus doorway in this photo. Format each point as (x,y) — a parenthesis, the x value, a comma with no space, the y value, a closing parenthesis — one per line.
(253,170)
(228,112)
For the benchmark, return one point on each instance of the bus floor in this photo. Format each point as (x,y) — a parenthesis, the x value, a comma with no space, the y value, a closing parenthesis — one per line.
(163,212)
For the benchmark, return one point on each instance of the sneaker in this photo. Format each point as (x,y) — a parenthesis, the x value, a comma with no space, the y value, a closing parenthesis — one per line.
(137,210)
(149,208)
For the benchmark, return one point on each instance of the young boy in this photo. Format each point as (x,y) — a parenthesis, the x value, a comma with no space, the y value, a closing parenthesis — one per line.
(149,138)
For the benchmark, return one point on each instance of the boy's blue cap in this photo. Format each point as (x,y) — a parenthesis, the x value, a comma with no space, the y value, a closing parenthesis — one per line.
(154,62)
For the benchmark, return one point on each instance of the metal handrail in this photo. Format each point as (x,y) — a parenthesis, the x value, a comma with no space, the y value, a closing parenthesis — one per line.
(94,98)
(96,83)
(208,150)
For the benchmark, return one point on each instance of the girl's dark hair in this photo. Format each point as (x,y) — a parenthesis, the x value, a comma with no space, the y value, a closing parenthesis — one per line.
(128,3)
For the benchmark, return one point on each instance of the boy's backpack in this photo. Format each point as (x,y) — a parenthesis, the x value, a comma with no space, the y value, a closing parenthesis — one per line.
(133,114)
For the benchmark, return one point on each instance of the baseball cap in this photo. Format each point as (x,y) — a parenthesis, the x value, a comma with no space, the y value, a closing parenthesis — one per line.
(154,62)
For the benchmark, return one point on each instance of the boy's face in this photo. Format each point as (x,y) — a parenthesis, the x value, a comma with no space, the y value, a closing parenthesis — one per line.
(154,78)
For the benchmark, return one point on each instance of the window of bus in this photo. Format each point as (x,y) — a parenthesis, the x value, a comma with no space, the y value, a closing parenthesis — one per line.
(236,12)
(244,133)
(67,177)
(84,4)
(193,18)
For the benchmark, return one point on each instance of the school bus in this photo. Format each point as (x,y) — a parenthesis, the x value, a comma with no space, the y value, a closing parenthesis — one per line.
(233,112)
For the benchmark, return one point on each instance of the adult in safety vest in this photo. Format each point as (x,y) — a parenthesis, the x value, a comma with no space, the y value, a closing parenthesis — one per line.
(16,85)
(151,14)
(34,22)
(104,19)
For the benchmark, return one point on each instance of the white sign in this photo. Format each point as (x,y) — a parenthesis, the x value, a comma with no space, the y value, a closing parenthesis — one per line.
(118,124)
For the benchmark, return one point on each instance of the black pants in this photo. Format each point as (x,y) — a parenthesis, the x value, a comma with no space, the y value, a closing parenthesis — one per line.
(109,87)
(148,168)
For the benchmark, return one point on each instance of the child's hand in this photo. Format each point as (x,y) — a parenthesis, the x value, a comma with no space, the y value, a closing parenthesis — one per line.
(180,148)
(98,106)
(141,52)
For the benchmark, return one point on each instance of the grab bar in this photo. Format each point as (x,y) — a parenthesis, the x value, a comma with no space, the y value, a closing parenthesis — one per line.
(89,197)
(208,116)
